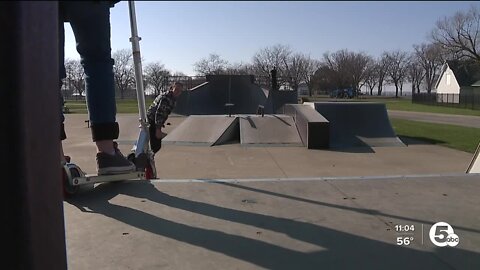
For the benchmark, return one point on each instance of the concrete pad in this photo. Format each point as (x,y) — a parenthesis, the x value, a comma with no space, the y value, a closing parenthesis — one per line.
(271,130)
(422,203)
(289,224)
(273,208)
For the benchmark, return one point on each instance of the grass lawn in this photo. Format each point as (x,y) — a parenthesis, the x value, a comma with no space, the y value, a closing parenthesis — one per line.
(457,137)
(407,105)
(402,104)
(123,105)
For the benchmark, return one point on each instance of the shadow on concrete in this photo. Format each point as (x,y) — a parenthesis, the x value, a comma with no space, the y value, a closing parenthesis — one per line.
(418,140)
(348,208)
(365,149)
(337,250)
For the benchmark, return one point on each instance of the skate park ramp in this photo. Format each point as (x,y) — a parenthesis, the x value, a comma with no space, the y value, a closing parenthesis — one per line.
(269,130)
(204,130)
(249,130)
(210,98)
(357,124)
(246,96)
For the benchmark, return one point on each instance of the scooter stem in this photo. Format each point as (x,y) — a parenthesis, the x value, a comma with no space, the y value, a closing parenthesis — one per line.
(142,143)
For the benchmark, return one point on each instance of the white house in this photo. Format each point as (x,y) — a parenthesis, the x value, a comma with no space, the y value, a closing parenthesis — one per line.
(447,83)
(457,78)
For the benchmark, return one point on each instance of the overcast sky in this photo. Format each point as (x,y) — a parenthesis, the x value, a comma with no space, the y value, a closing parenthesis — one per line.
(178,34)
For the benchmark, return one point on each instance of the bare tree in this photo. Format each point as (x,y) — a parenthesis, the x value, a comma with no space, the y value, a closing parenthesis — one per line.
(311,66)
(415,73)
(358,68)
(397,68)
(325,78)
(213,65)
(156,76)
(123,70)
(382,69)
(297,65)
(268,58)
(300,68)
(371,75)
(402,80)
(349,68)
(430,58)
(459,34)
(337,69)
(239,69)
(75,76)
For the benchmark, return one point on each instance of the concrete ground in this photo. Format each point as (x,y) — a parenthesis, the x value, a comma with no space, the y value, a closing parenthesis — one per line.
(234,207)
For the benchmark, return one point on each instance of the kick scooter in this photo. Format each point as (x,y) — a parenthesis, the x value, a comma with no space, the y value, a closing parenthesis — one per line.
(142,156)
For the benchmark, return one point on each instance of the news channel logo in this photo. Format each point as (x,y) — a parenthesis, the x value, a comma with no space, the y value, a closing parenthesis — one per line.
(442,235)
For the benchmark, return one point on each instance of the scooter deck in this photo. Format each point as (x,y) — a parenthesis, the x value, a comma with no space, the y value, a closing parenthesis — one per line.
(93,178)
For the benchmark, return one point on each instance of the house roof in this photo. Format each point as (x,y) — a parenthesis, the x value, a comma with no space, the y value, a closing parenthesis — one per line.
(467,73)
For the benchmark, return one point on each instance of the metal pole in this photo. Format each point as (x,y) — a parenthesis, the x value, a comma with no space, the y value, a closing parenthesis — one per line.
(229,88)
(137,61)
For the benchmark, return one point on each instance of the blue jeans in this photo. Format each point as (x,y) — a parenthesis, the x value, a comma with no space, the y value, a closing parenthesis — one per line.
(90,22)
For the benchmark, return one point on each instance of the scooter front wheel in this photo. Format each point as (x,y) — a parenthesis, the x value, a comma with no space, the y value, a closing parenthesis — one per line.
(69,189)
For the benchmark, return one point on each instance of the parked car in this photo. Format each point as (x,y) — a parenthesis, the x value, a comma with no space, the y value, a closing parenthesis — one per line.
(342,93)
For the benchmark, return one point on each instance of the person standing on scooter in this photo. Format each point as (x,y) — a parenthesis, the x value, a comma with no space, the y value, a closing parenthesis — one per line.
(90,22)
(158,113)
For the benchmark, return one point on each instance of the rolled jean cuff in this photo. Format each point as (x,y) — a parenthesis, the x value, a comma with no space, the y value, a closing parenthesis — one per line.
(104,131)
(63,135)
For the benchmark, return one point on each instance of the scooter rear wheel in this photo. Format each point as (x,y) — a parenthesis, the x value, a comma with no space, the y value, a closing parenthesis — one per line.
(68,189)
(149,172)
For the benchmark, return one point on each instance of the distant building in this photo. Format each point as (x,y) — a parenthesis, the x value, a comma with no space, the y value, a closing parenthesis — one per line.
(458,78)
